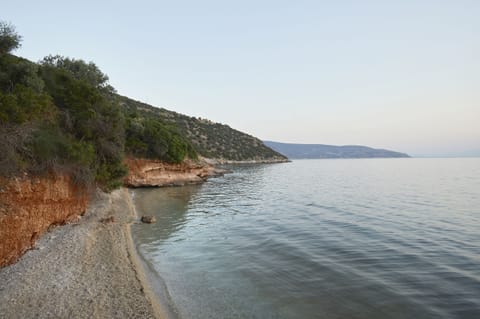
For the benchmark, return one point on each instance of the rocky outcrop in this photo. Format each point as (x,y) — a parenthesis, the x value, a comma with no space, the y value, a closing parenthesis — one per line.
(149,173)
(30,205)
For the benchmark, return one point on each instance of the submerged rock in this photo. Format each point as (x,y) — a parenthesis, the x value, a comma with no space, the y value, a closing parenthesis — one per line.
(148,219)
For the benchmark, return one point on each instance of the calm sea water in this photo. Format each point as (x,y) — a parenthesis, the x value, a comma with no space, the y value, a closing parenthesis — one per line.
(374,238)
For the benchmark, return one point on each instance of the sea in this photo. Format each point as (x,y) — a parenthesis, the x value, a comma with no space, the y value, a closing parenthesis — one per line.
(340,238)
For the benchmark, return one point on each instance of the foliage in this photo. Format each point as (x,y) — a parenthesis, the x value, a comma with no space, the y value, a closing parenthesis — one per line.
(13,139)
(79,90)
(62,115)
(204,137)
(9,38)
(21,92)
(80,70)
(148,137)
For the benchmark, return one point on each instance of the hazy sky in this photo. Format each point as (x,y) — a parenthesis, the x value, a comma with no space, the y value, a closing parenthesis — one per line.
(401,74)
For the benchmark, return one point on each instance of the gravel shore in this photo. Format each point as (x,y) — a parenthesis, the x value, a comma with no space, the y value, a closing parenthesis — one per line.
(87,269)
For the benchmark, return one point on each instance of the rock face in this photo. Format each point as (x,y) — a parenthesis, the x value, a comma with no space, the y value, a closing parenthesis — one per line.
(149,173)
(30,205)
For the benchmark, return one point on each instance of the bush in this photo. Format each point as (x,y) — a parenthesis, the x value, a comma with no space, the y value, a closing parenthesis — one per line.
(14,139)
(110,176)
(150,138)
(9,38)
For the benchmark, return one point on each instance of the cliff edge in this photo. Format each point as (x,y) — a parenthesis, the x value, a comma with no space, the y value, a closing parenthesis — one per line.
(30,205)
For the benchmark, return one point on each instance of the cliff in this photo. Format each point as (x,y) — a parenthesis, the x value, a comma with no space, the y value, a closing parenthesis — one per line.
(30,205)
(149,173)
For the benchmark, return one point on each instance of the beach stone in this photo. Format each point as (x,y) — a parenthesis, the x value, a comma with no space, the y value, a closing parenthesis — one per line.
(107,220)
(148,219)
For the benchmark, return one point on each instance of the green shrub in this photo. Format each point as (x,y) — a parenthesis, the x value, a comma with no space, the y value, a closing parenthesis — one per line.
(110,176)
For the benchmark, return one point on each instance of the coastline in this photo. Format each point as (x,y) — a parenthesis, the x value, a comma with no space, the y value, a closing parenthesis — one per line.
(87,269)
(156,294)
(90,267)
(221,161)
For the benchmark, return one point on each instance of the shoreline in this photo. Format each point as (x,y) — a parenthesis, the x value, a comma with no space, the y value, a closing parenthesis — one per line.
(160,311)
(221,161)
(87,269)
(156,294)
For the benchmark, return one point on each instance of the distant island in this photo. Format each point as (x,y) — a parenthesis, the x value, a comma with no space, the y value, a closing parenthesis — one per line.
(312,151)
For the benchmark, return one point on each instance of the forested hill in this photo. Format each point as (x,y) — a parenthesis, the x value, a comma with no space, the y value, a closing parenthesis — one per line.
(209,139)
(61,115)
(311,151)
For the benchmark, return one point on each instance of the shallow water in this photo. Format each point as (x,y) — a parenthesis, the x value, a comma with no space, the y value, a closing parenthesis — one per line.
(373,238)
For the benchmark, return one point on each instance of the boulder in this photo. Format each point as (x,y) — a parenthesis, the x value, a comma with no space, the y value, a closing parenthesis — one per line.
(148,219)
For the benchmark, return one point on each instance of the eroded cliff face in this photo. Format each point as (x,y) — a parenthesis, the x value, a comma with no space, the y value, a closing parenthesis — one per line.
(145,173)
(30,205)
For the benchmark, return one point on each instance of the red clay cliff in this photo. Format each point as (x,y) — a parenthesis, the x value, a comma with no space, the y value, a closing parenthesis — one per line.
(30,205)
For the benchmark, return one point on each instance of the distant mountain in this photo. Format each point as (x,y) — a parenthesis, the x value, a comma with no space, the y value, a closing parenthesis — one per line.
(311,151)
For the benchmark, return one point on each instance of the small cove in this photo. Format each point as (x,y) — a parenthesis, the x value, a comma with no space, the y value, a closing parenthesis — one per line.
(396,238)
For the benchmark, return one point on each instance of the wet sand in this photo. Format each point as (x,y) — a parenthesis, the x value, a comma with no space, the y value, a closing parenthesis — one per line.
(88,269)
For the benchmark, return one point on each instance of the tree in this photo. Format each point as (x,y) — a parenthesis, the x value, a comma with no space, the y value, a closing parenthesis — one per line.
(80,70)
(9,38)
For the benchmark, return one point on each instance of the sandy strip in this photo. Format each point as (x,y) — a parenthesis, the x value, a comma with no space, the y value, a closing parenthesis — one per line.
(85,270)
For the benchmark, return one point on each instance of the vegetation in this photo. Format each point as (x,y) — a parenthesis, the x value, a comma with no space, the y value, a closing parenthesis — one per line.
(62,115)
(9,38)
(209,139)
(151,138)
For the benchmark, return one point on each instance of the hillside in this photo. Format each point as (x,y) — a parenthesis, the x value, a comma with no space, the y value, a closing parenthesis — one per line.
(61,115)
(311,151)
(64,131)
(209,139)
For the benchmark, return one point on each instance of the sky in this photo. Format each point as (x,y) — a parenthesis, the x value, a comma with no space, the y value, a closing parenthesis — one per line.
(401,75)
